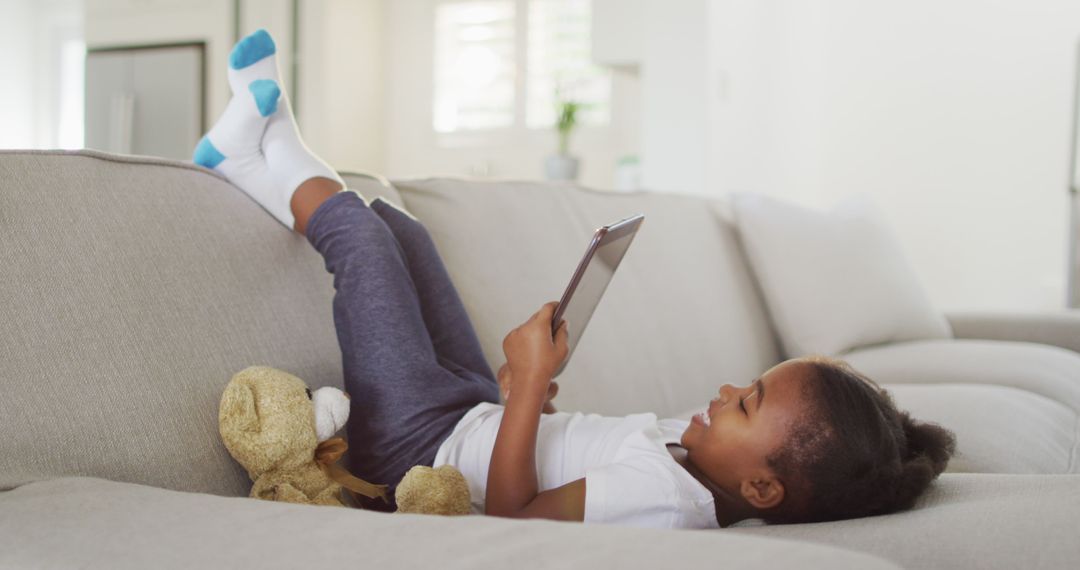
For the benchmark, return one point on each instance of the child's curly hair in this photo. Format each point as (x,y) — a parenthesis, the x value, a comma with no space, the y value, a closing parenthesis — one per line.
(853,454)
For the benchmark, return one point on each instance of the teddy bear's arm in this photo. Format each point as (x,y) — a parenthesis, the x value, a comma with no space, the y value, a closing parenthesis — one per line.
(331,496)
(278,491)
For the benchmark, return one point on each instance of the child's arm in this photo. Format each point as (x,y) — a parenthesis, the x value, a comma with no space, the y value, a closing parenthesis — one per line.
(532,357)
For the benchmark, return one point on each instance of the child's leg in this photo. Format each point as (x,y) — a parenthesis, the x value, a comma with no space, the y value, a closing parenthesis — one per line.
(449,327)
(448,324)
(404,402)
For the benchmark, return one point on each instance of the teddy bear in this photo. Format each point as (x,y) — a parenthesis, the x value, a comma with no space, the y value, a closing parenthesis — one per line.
(282,434)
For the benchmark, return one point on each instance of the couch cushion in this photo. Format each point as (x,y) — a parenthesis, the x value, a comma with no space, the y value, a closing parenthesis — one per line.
(998,429)
(76,522)
(133,289)
(1045,370)
(965,521)
(680,318)
(1014,406)
(834,280)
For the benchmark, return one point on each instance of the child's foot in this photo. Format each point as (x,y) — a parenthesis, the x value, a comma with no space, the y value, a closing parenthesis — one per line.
(265,162)
(289,160)
(233,146)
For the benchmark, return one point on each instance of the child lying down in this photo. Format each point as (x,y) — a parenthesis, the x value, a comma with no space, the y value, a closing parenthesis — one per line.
(811,439)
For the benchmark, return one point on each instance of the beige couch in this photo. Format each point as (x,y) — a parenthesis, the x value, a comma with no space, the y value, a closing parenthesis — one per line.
(133,288)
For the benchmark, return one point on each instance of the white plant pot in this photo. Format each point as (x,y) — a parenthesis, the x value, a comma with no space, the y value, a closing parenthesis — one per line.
(561,167)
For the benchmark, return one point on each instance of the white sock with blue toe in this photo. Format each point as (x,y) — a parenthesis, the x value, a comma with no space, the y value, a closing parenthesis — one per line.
(255,143)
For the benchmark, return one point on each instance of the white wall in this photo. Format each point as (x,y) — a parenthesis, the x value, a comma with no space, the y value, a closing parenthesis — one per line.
(341,107)
(675,93)
(954,115)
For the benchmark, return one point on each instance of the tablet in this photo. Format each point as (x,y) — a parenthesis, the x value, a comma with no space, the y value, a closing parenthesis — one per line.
(591,279)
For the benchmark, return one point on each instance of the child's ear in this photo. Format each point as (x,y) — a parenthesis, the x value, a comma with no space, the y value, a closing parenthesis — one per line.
(763,491)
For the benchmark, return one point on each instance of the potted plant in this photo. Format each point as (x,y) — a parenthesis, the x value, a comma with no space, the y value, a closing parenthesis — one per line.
(563,166)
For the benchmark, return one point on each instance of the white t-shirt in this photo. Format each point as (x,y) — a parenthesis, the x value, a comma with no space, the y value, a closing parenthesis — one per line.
(630,477)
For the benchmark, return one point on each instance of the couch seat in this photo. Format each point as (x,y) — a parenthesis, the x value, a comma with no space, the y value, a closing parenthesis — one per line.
(965,520)
(95,523)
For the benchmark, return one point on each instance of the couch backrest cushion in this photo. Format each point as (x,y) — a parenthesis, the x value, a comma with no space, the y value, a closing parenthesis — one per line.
(680,318)
(834,280)
(131,290)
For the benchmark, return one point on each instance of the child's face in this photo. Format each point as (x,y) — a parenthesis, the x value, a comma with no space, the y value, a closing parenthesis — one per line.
(732,449)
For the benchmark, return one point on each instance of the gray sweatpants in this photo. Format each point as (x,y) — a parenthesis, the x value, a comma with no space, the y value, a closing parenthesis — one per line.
(412,363)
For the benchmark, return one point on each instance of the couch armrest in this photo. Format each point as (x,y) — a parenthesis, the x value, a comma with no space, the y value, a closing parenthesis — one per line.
(1057,328)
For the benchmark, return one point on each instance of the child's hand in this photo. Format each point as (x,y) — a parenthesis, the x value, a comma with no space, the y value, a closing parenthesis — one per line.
(532,356)
(506,380)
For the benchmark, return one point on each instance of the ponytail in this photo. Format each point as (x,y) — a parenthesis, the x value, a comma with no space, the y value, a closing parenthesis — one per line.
(929,447)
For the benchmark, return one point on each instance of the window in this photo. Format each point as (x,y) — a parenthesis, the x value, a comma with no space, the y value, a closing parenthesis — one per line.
(507,63)
(560,64)
(474,65)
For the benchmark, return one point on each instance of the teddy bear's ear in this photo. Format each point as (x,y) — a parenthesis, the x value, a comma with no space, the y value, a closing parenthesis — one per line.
(237,412)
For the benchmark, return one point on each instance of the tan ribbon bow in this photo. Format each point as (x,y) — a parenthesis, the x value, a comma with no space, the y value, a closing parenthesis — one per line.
(327,454)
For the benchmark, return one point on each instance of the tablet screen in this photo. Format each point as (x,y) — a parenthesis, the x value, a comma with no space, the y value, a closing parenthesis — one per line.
(591,279)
